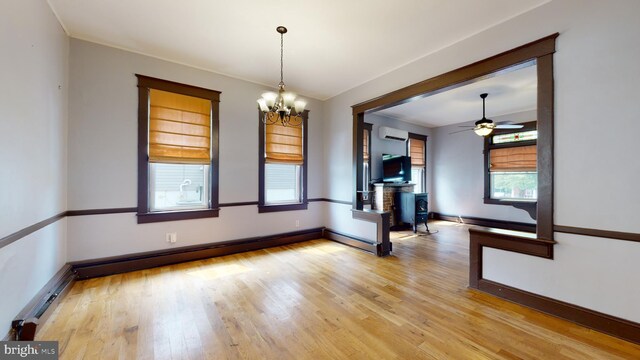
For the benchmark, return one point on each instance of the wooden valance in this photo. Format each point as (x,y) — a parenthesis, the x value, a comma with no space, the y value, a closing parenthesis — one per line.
(416,152)
(519,158)
(179,128)
(283,144)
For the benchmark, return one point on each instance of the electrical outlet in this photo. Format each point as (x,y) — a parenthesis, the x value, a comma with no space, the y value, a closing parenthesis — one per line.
(297,223)
(172,237)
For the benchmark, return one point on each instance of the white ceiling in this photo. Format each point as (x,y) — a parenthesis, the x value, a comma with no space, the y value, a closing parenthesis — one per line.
(509,93)
(332,45)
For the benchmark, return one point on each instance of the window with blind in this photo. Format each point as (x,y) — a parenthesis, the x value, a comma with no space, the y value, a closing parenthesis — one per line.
(177,151)
(283,170)
(366,157)
(417,150)
(512,166)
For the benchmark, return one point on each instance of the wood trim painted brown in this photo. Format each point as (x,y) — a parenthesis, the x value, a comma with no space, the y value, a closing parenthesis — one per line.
(132,262)
(245,203)
(343,202)
(469,72)
(544,216)
(175,87)
(615,326)
(30,229)
(542,52)
(262,206)
(25,325)
(382,219)
(152,217)
(617,235)
(492,223)
(144,84)
(101,211)
(509,240)
(350,240)
(358,159)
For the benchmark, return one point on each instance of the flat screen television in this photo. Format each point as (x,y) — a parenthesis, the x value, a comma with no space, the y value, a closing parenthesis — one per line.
(396,168)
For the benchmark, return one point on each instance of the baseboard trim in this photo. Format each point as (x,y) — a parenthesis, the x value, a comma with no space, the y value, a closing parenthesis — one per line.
(350,240)
(38,310)
(139,261)
(611,325)
(500,224)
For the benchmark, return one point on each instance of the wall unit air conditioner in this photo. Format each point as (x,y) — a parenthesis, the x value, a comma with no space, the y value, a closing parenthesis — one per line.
(388,133)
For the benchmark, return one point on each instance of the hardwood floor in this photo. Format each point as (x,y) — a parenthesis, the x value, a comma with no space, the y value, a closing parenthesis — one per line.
(315,300)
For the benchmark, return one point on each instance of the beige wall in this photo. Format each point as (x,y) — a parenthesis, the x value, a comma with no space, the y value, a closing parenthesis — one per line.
(33,133)
(103,147)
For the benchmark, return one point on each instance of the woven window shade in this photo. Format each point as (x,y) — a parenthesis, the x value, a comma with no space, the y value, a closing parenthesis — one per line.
(520,158)
(283,144)
(179,128)
(365,145)
(416,152)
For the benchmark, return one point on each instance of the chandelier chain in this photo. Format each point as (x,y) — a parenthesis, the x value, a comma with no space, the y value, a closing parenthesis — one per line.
(281,58)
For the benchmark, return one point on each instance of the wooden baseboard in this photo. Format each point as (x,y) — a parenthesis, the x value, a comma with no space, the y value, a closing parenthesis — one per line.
(131,262)
(500,224)
(621,328)
(25,325)
(350,240)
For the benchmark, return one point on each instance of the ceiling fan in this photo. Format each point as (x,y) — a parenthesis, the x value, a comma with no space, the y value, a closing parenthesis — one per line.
(484,126)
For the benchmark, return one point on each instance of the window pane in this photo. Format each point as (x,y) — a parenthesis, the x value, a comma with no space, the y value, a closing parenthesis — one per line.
(417,177)
(282,183)
(515,137)
(514,185)
(178,186)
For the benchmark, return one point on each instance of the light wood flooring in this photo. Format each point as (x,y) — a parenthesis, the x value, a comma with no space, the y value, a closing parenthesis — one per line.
(315,300)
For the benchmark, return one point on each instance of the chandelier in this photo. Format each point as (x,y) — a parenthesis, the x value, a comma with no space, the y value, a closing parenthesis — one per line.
(281,106)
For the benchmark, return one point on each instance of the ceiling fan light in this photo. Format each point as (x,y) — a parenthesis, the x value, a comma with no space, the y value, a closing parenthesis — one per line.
(482,131)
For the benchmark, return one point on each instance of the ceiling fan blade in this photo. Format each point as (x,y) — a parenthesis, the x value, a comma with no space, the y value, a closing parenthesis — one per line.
(467,126)
(455,132)
(509,126)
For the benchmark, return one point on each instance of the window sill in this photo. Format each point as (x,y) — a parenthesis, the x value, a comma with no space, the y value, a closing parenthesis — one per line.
(151,217)
(283,207)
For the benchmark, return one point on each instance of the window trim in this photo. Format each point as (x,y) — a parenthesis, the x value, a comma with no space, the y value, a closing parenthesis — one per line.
(262,206)
(408,150)
(527,205)
(143,214)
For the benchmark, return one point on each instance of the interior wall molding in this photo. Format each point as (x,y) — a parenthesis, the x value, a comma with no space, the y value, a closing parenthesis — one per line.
(501,224)
(508,240)
(617,235)
(101,211)
(30,229)
(615,326)
(138,261)
(350,240)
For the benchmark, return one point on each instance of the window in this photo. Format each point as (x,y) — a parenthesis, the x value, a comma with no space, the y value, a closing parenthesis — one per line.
(283,166)
(417,150)
(177,151)
(511,159)
(366,165)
